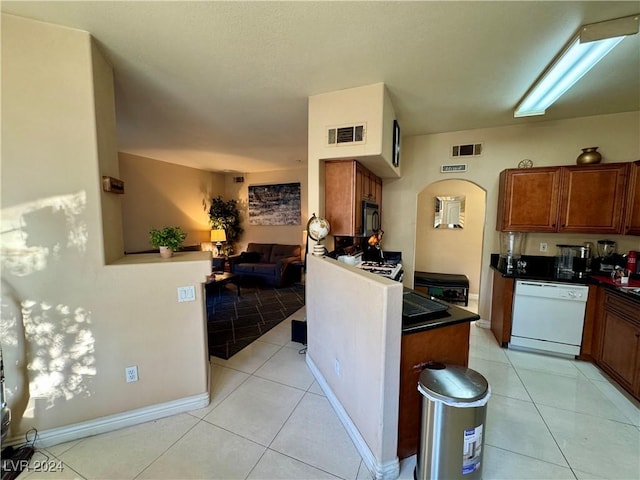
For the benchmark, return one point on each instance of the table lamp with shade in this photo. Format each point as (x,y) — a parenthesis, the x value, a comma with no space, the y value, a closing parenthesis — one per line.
(218,236)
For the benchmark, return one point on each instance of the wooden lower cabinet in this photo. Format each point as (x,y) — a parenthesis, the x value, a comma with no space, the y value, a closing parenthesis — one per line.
(502,308)
(619,353)
(450,345)
(591,333)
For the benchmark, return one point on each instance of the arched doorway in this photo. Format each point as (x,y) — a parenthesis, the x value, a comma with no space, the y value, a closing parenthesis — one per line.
(452,250)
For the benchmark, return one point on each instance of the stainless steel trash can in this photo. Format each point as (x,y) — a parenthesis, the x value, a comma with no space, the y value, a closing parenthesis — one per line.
(454,410)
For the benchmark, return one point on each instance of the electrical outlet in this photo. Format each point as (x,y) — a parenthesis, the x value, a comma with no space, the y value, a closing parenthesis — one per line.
(131,373)
(543,246)
(336,366)
(187,294)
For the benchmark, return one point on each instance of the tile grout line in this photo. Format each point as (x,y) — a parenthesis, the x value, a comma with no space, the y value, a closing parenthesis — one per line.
(544,421)
(168,448)
(305,392)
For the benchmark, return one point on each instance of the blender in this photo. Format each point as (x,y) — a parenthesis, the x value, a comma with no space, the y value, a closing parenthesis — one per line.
(511,246)
(606,254)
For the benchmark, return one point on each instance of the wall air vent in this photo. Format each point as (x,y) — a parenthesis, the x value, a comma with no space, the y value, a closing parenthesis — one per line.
(347,135)
(238,179)
(468,150)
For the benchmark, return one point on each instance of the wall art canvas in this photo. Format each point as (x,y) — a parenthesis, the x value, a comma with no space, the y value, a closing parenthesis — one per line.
(274,204)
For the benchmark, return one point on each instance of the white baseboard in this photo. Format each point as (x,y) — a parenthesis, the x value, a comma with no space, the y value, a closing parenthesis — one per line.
(380,471)
(54,436)
(483,323)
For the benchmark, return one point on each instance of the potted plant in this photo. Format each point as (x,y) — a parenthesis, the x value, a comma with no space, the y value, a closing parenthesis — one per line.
(169,239)
(225,215)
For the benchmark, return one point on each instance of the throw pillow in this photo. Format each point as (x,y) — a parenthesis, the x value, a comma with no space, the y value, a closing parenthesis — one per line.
(250,257)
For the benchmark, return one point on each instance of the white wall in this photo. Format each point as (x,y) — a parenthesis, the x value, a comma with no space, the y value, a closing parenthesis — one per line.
(70,322)
(354,323)
(546,143)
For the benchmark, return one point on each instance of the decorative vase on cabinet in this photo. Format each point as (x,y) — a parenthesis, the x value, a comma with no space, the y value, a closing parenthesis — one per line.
(589,155)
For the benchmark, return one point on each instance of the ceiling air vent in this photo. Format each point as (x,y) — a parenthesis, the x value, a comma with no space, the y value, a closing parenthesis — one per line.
(346,135)
(468,150)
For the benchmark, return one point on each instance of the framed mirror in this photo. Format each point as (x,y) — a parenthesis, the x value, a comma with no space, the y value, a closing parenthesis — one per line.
(449,212)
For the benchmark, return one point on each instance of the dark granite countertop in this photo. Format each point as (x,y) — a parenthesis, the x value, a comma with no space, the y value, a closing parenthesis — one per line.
(543,269)
(538,268)
(451,316)
(630,290)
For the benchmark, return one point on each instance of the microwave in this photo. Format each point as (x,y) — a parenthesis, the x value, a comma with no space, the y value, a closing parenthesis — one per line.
(370,218)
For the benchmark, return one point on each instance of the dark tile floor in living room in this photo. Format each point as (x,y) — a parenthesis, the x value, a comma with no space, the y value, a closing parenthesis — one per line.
(233,321)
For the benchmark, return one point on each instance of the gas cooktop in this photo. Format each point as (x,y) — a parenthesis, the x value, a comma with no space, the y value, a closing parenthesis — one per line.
(386,269)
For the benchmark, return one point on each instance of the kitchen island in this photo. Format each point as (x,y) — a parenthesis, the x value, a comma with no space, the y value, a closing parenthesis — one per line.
(443,338)
(355,340)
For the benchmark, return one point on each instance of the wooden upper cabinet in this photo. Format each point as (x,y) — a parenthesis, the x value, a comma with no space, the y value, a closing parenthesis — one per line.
(632,222)
(347,184)
(528,199)
(593,198)
(378,192)
(573,199)
(340,191)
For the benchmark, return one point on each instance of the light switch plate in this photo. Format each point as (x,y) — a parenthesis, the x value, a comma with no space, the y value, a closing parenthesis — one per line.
(187,294)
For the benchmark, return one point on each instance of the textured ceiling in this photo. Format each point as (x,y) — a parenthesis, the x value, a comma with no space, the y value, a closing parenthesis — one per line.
(224,85)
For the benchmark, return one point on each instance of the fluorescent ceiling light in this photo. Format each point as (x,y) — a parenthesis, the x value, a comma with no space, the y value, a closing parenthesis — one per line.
(584,51)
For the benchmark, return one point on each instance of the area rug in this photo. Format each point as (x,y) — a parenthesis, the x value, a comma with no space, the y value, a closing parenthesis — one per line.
(234,322)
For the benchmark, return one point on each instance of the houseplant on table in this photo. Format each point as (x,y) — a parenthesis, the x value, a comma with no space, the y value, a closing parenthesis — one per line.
(226,216)
(169,239)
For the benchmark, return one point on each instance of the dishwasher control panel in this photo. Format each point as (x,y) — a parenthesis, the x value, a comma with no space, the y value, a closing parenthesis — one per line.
(552,290)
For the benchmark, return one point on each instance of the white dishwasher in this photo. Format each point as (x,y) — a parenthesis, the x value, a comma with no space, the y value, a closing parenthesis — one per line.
(548,316)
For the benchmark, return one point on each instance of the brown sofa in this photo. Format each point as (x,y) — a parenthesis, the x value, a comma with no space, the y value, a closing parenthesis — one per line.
(269,261)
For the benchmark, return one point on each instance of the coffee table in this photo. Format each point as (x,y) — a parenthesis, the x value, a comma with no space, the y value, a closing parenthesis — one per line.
(218,280)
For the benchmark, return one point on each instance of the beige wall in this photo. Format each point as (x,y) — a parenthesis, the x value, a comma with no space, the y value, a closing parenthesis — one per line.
(353,317)
(354,331)
(158,194)
(285,234)
(108,159)
(444,250)
(70,323)
(546,143)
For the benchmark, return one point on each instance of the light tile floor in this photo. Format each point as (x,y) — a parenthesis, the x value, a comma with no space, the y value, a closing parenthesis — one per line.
(548,418)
